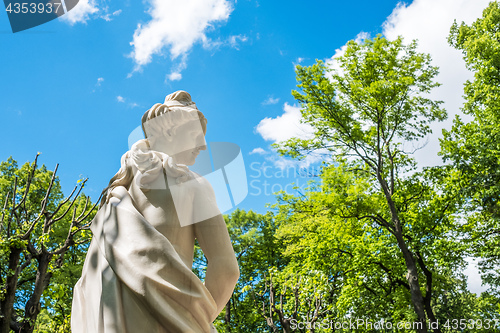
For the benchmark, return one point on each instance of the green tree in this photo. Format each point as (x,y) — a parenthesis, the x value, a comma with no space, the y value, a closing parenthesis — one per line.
(324,231)
(473,147)
(364,113)
(327,229)
(257,252)
(269,294)
(42,245)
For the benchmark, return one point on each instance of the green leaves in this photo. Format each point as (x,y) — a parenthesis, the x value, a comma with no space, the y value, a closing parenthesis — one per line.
(480,45)
(473,148)
(40,262)
(375,227)
(366,108)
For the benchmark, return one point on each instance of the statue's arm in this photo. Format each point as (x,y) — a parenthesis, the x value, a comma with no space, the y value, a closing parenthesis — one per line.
(222,267)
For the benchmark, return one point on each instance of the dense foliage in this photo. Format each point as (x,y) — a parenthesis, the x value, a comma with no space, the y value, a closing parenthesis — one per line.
(42,247)
(474,147)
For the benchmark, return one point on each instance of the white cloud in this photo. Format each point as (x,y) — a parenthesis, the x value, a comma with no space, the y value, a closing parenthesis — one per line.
(258,150)
(107,16)
(100,80)
(210,44)
(81,13)
(270,101)
(234,41)
(429,21)
(130,104)
(176,26)
(174,76)
(285,126)
(298,61)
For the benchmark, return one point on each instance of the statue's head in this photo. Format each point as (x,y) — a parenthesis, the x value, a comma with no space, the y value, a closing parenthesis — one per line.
(176,128)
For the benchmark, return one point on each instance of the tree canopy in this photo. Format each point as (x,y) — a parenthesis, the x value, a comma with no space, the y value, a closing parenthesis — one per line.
(364,112)
(42,246)
(473,147)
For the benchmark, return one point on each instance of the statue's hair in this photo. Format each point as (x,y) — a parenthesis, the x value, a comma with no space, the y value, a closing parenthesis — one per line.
(123,177)
(177,109)
(171,114)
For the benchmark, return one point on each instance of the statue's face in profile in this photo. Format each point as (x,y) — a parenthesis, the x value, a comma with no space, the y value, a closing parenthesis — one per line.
(187,142)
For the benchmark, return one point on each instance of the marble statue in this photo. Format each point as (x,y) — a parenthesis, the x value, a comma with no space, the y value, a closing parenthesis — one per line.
(137,275)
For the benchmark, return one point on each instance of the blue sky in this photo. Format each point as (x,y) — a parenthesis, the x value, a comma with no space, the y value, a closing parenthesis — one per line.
(73,90)
(76,87)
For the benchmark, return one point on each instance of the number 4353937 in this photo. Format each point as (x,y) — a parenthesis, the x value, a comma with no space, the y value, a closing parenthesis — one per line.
(462,324)
(32,8)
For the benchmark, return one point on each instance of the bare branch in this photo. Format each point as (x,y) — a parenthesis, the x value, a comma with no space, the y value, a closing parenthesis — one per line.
(3,211)
(45,200)
(12,212)
(28,183)
(75,227)
(32,226)
(90,211)
(52,221)
(84,208)
(43,209)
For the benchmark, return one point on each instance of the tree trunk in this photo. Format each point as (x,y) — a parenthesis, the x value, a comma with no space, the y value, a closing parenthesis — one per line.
(411,266)
(227,315)
(412,277)
(428,291)
(7,304)
(33,306)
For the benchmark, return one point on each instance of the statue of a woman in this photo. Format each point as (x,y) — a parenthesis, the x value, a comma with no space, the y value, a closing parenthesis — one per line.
(137,276)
